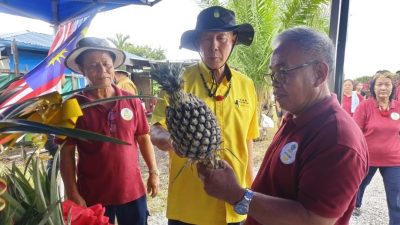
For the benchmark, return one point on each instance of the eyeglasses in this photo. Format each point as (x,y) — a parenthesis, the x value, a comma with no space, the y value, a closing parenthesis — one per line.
(281,75)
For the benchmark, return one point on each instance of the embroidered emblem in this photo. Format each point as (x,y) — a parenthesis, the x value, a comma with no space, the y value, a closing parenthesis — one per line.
(395,116)
(126,114)
(288,153)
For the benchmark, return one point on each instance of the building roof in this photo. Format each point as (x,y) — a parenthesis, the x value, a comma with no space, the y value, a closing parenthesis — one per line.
(28,40)
(134,57)
(40,42)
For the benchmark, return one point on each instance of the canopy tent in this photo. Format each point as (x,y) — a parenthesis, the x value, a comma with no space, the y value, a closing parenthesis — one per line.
(58,11)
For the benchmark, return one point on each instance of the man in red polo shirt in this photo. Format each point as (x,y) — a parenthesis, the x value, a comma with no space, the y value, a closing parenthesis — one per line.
(318,158)
(108,173)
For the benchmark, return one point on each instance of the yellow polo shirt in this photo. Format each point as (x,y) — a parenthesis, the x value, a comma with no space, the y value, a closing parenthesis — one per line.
(238,118)
(127,85)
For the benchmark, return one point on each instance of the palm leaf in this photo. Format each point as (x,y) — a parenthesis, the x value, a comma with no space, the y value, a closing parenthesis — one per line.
(23,126)
(112,99)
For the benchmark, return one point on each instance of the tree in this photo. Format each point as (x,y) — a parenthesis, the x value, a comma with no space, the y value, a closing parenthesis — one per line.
(147,52)
(121,42)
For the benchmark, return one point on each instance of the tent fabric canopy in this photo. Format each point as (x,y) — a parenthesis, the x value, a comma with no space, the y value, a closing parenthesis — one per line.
(59,11)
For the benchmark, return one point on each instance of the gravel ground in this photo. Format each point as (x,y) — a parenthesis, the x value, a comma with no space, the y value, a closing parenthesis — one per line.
(374,208)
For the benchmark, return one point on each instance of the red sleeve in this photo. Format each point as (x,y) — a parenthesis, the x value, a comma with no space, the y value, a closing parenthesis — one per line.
(360,115)
(329,182)
(142,124)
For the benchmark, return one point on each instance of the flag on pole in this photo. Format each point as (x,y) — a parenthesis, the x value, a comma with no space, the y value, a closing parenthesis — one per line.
(47,74)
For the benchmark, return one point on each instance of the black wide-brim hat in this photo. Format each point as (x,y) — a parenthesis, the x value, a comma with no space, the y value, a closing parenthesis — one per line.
(217,19)
(93,43)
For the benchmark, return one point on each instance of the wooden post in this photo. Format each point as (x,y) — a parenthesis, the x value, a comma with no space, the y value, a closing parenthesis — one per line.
(14,51)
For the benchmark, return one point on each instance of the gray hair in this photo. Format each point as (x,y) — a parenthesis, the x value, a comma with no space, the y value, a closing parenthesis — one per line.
(312,41)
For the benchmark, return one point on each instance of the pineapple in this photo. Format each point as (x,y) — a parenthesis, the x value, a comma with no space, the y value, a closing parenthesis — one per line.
(194,129)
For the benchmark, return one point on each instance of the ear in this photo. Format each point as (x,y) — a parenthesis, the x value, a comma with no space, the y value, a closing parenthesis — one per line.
(321,73)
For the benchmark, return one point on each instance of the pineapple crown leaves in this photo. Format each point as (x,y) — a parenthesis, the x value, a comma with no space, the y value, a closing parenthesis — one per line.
(168,76)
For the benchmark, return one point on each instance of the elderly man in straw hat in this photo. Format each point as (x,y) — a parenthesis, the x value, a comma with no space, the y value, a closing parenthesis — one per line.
(108,173)
(232,97)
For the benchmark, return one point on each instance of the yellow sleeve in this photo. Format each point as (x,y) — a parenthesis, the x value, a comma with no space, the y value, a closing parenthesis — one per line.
(158,115)
(128,87)
(254,131)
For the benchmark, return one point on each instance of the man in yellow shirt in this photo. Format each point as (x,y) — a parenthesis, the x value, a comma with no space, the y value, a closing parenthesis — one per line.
(123,81)
(231,96)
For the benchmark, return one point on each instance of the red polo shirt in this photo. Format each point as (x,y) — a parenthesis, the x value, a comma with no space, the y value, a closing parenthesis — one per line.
(318,159)
(381,130)
(109,173)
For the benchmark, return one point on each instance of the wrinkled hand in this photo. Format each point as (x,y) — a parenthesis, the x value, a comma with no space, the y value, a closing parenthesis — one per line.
(153,184)
(77,199)
(221,183)
(161,138)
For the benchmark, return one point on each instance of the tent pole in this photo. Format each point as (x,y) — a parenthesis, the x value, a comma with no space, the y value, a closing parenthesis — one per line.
(338,33)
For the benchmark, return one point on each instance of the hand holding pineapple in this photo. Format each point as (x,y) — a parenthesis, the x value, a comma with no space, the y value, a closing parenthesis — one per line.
(221,183)
(194,129)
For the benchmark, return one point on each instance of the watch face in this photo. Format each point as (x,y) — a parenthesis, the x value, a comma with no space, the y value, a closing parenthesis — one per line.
(241,208)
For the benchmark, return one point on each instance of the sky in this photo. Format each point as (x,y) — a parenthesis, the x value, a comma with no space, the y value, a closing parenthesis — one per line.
(372,42)
(159,26)
(373,37)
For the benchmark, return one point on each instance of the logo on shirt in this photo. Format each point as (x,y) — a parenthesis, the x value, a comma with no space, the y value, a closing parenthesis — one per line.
(288,153)
(241,102)
(126,114)
(395,116)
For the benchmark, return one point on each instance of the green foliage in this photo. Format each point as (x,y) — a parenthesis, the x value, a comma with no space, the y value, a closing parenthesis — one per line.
(32,196)
(363,79)
(146,52)
(121,42)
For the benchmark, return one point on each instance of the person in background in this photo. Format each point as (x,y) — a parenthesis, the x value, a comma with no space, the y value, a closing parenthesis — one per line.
(379,120)
(123,81)
(108,173)
(318,157)
(231,96)
(360,90)
(351,98)
(397,84)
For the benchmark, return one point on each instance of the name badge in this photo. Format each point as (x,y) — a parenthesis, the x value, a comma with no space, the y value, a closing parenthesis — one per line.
(395,116)
(126,114)
(288,153)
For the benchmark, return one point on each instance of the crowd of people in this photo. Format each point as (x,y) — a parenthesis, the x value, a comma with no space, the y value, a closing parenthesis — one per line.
(379,119)
(315,170)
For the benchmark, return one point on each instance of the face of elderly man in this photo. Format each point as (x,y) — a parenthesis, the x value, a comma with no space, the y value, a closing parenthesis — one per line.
(215,47)
(295,84)
(98,67)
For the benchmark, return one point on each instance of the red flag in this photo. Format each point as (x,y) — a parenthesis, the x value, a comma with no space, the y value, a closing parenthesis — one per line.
(46,75)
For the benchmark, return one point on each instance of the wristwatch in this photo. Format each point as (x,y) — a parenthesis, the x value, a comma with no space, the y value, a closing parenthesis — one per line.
(242,206)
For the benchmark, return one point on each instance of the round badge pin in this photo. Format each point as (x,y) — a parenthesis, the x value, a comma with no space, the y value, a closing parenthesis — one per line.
(288,153)
(395,116)
(126,114)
